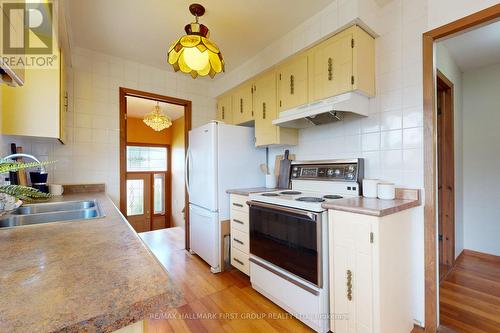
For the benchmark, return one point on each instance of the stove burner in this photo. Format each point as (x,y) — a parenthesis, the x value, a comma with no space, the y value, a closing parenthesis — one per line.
(310,199)
(291,192)
(270,194)
(332,197)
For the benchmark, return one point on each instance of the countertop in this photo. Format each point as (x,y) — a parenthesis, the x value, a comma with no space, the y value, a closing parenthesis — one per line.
(248,191)
(405,199)
(90,275)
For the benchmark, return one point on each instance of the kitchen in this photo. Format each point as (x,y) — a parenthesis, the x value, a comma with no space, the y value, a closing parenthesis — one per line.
(388,136)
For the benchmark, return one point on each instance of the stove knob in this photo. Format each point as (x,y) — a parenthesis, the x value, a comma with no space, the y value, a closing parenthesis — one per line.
(351,168)
(350,175)
(330,172)
(294,174)
(337,172)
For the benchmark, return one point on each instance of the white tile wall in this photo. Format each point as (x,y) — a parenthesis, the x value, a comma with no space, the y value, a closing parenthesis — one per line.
(92,151)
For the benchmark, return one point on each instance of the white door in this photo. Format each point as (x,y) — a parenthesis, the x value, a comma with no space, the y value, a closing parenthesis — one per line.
(351,283)
(202,164)
(204,234)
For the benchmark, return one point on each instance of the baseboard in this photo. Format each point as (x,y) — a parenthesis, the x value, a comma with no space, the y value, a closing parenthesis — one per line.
(417,329)
(481,255)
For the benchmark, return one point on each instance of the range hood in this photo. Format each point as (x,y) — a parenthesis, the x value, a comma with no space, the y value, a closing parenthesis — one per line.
(324,111)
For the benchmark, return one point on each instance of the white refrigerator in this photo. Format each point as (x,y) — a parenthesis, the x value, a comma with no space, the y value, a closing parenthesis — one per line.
(219,157)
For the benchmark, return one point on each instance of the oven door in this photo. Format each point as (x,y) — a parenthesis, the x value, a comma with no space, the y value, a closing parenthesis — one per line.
(288,238)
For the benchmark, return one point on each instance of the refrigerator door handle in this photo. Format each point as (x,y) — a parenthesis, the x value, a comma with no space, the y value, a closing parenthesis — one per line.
(186,171)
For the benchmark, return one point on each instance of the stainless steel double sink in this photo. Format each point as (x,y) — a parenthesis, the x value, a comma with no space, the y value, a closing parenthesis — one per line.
(64,211)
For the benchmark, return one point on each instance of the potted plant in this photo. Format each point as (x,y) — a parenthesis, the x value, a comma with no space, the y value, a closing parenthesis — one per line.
(13,196)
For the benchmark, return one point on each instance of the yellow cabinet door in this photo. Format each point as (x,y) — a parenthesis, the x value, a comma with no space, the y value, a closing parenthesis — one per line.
(224,110)
(35,108)
(243,103)
(332,66)
(293,83)
(265,110)
(63,99)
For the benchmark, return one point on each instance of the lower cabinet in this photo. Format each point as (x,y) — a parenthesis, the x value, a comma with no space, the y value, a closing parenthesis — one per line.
(371,272)
(240,231)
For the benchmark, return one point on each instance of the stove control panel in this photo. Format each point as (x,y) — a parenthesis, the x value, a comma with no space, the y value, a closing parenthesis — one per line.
(351,171)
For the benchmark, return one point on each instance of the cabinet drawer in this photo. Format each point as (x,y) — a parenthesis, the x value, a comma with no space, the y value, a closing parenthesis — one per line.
(239,220)
(240,261)
(239,202)
(240,241)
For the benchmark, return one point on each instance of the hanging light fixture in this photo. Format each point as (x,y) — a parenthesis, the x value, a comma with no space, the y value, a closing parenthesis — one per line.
(195,53)
(156,119)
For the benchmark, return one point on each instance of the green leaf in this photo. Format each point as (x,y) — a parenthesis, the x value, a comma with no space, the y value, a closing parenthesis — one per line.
(24,193)
(9,165)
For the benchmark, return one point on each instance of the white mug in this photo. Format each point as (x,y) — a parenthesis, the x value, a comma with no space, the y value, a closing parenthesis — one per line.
(56,189)
(386,191)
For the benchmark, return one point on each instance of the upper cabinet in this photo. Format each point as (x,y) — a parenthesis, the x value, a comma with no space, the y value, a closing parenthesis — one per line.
(243,103)
(265,111)
(293,82)
(343,63)
(224,109)
(37,108)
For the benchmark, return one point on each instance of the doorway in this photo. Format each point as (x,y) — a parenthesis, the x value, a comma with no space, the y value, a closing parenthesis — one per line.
(476,276)
(446,173)
(148,181)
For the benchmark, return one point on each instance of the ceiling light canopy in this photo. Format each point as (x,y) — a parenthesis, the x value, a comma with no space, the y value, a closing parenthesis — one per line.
(156,119)
(194,53)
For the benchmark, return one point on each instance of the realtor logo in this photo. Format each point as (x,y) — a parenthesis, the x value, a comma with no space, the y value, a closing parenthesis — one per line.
(27,28)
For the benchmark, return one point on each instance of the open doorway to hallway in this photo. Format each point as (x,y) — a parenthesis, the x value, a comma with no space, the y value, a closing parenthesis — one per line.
(152,161)
(468,146)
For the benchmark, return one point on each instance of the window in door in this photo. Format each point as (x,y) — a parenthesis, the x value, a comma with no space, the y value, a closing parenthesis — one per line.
(147,183)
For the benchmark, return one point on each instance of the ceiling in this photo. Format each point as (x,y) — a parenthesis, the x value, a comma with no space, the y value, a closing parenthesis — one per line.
(138,107)
(142,31)
(476,48)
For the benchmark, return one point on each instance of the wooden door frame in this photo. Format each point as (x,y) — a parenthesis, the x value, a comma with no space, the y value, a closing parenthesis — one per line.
(124,92)
(482,17)
(168,181)
(447,165)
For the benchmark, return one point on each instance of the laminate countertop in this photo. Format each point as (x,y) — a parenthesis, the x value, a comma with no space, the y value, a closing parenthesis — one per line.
(248,191)
(90,275)
(372,207)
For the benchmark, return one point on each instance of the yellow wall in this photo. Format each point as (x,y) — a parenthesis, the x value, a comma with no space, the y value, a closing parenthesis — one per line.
(178,189)
(138,132)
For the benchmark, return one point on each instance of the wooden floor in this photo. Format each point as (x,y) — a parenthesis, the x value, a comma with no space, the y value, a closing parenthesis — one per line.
(470,295)
(223,302)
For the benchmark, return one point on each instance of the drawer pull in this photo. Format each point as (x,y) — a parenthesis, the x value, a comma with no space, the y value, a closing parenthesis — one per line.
(238,205)
(349,285)
(238,221)
(239,261)
(238,241)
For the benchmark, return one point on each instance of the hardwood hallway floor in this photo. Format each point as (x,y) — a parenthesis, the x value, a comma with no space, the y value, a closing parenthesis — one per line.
(223,302)
(470,294)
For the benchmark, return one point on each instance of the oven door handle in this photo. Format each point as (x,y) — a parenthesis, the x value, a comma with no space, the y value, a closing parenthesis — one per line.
(311,215)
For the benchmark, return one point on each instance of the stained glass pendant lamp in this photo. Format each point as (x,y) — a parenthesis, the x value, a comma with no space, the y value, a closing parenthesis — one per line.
(156,119)
(195,53)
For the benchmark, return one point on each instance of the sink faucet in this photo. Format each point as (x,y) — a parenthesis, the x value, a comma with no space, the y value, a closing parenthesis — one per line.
(42,168)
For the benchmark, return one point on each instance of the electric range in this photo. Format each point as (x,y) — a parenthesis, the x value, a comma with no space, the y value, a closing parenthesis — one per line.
(289,237)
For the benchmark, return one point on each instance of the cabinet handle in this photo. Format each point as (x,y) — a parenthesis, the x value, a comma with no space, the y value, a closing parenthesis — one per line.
(237,205)
(238,221)
(241,105)
(292,84)
(222,113)
(238,241)
(330,69)
(263,110)
(239,261)
(349,285)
